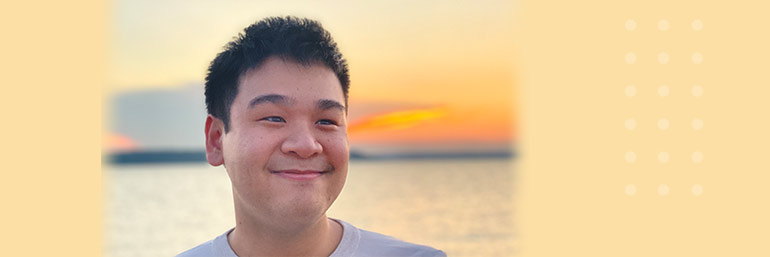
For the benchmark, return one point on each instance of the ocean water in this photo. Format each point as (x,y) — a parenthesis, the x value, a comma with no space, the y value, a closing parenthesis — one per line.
(462,206)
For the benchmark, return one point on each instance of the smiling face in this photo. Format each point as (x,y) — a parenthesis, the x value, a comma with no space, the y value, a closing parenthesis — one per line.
(286,151)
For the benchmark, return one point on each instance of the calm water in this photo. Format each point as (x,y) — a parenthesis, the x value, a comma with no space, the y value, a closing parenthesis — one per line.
(463,207)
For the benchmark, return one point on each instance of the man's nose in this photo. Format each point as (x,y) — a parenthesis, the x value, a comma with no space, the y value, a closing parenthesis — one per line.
(302,143)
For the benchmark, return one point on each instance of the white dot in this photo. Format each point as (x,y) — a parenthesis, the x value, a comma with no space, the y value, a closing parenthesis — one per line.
(697,124)
(697,157)
(630,189)
(630,90)
(630,58)
(630,25)
(697,25)
(630,157)
(663,124)
(630,124)
(697,91)
(663,189)
(697,190)
(663,90)
(663,58)
(663,157)
(697,58)
(663,25)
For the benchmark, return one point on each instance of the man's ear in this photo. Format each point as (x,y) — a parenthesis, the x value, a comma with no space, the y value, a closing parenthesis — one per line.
(215,129)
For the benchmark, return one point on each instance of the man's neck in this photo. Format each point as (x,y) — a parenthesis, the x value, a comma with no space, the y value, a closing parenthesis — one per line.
(319,239)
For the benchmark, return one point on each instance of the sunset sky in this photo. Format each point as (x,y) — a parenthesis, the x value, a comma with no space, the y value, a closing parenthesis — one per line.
(421,73)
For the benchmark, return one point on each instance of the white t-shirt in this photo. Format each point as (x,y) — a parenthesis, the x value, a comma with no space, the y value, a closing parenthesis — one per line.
(355,242)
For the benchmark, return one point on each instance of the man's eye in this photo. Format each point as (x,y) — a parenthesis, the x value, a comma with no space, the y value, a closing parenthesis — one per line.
(273,119)
(326,122)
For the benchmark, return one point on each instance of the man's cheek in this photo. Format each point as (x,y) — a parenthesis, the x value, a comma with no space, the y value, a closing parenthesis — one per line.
(340,147)
(333,141)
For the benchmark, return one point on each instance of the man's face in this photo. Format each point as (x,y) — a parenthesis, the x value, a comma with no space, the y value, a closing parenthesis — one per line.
(287,149)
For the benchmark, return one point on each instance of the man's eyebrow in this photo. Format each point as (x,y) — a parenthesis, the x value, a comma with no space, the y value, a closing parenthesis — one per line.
(272,98)
(325,104)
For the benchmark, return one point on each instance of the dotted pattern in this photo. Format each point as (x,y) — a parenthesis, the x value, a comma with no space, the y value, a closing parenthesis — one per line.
(630,91)
(630,157)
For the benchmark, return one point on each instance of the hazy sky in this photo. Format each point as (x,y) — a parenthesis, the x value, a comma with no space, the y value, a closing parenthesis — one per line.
(451,58)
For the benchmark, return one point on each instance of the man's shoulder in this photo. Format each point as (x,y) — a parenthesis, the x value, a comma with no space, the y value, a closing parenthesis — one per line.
(376,244)
(390,246)
(217,247)
(204,249)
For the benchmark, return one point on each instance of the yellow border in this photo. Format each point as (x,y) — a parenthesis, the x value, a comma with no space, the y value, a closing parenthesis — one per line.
(53,69)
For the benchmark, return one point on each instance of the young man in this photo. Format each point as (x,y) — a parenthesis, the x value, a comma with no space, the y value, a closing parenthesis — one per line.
(277,104)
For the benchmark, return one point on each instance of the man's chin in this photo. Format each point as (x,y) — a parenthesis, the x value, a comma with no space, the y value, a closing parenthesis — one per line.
(301,217)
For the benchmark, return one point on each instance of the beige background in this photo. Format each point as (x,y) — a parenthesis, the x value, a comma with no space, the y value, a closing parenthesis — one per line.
(52,57)
(572,74)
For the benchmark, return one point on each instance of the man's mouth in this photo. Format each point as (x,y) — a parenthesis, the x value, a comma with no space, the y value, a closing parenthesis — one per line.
(299,175)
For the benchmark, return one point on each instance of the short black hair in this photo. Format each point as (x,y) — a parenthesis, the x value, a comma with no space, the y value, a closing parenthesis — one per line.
(291,38)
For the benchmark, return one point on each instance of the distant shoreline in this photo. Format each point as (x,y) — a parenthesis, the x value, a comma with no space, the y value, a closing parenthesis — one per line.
(182,156)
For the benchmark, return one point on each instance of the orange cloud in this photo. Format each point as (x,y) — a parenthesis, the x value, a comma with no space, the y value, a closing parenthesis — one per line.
(117,142)
(397,120)
(446,124)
